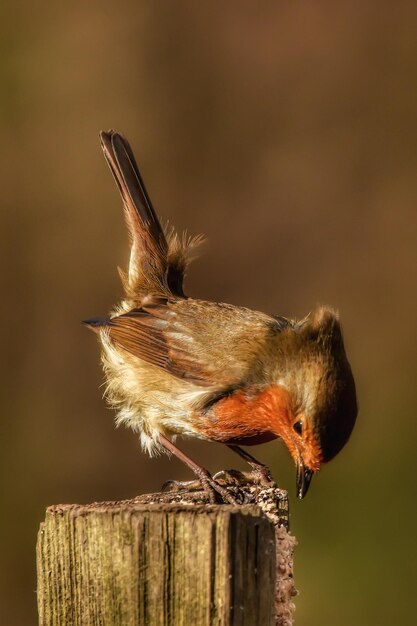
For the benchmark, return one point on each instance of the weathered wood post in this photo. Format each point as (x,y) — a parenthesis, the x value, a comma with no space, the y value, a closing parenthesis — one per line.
(167,560)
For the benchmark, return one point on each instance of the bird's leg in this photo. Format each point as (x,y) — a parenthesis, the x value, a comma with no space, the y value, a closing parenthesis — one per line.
(208,484)
(260,472)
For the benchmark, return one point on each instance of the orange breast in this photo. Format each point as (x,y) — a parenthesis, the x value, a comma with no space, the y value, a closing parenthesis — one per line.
(247,420)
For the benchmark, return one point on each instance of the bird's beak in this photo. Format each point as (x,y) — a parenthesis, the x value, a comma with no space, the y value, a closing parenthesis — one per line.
(304,476)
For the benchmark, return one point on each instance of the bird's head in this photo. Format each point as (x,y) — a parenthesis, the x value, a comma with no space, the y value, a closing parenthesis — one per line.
(321,394)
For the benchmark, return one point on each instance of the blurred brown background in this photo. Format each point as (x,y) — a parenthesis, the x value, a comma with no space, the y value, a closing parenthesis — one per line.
(285,131)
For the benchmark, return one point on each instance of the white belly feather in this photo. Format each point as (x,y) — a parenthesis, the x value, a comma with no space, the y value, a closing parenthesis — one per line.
(147,399)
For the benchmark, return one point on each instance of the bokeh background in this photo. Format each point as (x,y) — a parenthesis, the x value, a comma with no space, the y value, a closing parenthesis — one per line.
(284,131)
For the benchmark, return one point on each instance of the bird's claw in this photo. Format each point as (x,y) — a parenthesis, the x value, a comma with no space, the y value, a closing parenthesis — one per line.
(259,476)
(175,486)
(217,493)
(233,477)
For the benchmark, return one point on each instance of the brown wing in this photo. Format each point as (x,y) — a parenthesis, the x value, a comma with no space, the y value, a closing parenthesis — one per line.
(208,344)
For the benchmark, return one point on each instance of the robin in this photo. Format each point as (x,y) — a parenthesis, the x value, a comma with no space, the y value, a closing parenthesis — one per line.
(218,372)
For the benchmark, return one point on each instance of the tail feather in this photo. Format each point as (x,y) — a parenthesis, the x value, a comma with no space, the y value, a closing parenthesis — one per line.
(148,257)
(158,260)
(96,323)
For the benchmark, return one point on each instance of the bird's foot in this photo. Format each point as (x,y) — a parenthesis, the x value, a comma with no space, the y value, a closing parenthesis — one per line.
(262,475)
(175,486)
(234,477)
(217,493)
(260,472)
(259,476)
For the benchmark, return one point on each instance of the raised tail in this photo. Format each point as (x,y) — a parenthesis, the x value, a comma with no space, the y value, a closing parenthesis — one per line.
(149,248)
(158,262)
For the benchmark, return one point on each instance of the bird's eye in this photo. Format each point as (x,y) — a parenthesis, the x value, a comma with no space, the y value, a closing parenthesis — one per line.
(298,427)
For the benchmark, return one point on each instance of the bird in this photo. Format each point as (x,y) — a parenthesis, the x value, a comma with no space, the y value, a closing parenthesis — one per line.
(178,366)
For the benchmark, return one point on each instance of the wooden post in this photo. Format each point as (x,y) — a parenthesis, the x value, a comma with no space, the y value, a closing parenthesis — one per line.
(164,560)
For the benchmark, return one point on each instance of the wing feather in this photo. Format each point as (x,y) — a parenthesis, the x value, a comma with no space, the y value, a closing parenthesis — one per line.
(208,344)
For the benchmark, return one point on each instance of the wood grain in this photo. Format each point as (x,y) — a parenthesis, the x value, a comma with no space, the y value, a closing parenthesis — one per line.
(164,560)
